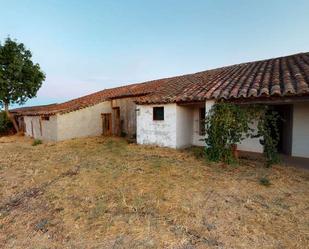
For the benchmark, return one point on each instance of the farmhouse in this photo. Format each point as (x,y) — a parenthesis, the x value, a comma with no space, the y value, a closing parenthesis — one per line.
(107,112)
(170,112)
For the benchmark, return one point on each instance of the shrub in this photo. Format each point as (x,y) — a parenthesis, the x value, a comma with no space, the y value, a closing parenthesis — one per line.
(226,125)
(198,152)
(5,124)
(36,142)
(123,134)
(269,132)
(265,181)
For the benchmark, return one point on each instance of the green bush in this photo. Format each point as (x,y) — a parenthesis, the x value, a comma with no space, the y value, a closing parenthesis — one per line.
(268,131)
(198,152)
(36,142)
(123,134)
(226,125)
(265,181)
(5,124)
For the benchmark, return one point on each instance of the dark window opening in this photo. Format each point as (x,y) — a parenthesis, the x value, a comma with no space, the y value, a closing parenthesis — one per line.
(202,114)
(46,118)
(158,113)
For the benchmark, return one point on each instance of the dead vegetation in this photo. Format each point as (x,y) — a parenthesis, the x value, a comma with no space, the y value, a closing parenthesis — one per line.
(105,193)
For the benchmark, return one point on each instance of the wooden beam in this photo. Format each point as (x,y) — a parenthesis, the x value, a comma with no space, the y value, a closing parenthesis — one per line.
(192,103)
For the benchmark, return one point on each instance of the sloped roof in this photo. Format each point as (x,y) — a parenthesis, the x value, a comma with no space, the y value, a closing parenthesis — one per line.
(282,76)
(133,90)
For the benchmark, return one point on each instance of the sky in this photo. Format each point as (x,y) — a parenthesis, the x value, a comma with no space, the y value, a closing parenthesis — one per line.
(86,46)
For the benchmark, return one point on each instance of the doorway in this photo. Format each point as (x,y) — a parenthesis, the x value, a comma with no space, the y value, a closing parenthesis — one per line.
(107,124)
(285,125)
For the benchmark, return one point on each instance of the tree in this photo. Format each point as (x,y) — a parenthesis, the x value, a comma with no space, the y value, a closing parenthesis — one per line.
(226,125)
(20,78)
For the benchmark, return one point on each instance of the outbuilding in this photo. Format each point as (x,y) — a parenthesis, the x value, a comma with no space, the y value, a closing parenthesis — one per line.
(170,112)
(174,116)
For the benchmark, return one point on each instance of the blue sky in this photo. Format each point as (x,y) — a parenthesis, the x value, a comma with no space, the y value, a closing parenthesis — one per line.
(86,46)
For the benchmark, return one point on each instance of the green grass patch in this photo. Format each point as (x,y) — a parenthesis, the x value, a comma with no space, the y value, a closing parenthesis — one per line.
(36,142)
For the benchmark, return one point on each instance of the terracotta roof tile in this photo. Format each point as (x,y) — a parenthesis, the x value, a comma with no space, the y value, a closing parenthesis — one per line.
(283,76)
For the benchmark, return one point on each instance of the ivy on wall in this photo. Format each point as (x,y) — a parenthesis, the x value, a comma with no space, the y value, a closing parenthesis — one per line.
(228,124)
(268,132)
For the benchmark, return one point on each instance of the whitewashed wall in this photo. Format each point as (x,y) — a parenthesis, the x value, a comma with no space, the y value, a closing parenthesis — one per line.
(179,128)
(300,137)
(162,133)
(49,128)
(82,123)
(251,144)
(27,120)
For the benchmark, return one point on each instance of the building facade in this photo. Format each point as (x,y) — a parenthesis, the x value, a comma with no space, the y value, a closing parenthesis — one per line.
(170,112)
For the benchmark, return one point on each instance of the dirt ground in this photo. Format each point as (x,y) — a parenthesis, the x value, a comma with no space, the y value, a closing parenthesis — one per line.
(105,193)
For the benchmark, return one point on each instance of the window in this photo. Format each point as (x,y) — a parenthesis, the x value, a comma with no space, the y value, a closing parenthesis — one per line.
(202,122)
(158,113)
(46,118)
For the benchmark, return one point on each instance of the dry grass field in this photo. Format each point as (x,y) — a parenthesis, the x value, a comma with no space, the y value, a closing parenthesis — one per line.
(105,193)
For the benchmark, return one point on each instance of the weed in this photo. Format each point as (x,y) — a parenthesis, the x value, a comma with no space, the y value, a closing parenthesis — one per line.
(156,163)
(198,152)
(36,142)
(123,134)
(99,209)
(265,181)
(41,225)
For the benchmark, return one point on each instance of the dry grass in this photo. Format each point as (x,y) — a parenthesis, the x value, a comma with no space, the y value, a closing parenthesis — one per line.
(105,193)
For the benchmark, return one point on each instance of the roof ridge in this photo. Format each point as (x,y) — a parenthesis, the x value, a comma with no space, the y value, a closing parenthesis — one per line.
(228,81)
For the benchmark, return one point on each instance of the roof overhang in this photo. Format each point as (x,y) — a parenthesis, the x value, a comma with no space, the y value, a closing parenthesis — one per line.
(270,100)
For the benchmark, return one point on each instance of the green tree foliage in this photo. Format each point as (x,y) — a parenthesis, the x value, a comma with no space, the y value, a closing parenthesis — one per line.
(20,78)
(268,131)
(228,124)
(5,123)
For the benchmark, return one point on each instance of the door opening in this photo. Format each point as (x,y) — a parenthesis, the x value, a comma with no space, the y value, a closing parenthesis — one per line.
(285,124)
(107,124)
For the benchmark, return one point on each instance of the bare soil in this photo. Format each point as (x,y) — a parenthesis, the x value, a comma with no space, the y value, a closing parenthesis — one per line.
(105,193)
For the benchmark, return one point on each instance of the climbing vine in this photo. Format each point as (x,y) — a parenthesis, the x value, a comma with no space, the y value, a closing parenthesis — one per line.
(228,124)
(268,132)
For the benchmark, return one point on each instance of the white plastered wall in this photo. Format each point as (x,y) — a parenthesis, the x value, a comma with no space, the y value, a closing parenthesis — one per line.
(177,130)
(251,144)
(149,131)
(300,137)
(41,129)
(82,123)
